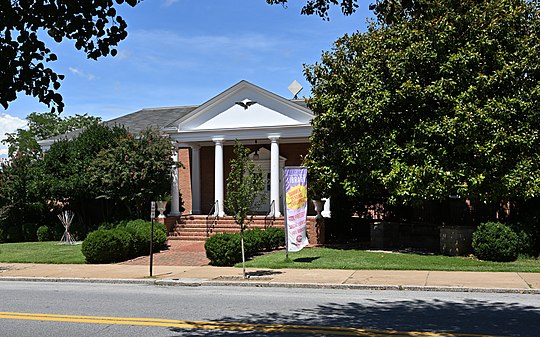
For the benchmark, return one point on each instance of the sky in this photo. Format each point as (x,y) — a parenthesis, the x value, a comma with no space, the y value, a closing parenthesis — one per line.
(185,52)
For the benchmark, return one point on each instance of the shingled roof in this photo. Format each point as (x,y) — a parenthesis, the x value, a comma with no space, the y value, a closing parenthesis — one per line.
(138,121)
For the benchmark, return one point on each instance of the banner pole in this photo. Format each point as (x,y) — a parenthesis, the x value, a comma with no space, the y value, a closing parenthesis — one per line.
(285,222)
(152,216)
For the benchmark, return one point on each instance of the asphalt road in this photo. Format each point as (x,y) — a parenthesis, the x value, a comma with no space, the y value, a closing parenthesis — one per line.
(81,310)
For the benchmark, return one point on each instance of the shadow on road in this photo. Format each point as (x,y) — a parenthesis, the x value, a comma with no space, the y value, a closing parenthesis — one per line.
(470,317)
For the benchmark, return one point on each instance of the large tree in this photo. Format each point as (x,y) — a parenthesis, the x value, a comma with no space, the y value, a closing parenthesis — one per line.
(94,26)
(42,126)
(437,98)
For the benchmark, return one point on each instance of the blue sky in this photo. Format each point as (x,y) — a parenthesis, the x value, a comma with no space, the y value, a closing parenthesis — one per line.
(184,52)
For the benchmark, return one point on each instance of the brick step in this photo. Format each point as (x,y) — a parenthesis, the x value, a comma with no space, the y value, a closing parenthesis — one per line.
(195,227)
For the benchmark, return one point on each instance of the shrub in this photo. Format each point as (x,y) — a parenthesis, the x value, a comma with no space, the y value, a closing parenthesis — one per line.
(226,249)
(45,233)
(107,246)
(274,238)
(223,249)
(140,230)
(253,241)
(494,241)
(528,233)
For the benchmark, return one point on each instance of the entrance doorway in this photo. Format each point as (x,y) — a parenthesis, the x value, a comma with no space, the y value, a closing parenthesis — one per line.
(261,157)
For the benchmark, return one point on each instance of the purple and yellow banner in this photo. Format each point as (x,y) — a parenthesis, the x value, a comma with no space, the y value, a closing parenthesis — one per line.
(295,179)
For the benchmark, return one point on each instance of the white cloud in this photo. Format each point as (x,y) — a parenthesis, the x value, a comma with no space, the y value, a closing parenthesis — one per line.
(152,49)
(168,3)
(82,74)
(8,124)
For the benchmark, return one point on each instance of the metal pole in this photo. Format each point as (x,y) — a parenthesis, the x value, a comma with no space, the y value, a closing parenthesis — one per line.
(152,216)
(285,222)
(151,246)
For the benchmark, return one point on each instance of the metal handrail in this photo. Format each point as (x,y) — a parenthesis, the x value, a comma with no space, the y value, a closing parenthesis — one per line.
(271,214)
(214,217)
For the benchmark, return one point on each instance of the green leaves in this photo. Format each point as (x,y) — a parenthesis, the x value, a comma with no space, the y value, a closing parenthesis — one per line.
(438,98)
(244,183)
(95,27)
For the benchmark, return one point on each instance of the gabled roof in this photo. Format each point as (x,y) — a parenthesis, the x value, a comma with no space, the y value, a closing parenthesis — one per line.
(224,111)
(219,113)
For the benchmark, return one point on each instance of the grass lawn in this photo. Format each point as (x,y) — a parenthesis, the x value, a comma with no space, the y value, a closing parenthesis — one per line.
(40,252)
(329,258)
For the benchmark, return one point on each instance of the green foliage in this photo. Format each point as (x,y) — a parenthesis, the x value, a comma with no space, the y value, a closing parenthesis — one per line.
(129,238)
(107,246)
(438,98)
(103,174)
(321,7)
(96,29)
(21,207)
(42,126)
(45,233)
(223,249)
(494,241)
(253,241)
(244,183)
(134,171)
(140,230)
(274,238)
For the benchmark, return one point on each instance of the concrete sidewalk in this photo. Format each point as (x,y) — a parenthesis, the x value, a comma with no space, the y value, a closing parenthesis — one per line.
(301,278)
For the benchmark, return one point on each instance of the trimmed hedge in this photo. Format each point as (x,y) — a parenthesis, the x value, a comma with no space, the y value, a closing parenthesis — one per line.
(107,246)
(226,250)
(275,238)
(140,230)
(494,241)
(223,249)
(125,241)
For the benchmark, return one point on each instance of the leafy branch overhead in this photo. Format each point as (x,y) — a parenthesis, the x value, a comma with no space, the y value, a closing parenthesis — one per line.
(387,11)
(94,26)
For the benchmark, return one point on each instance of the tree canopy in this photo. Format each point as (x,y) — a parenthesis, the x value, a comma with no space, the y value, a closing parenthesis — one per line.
(94,26)
(42,126)
(103,174)
(437,98)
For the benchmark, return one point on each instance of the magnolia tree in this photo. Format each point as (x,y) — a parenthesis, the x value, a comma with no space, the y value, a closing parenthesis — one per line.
(437,98)
(244,185)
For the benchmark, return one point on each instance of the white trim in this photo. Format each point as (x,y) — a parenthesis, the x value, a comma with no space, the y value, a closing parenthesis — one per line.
(293,131)
(242,85)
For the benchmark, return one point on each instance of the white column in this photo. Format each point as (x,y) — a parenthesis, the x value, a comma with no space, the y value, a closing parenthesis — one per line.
(218,176)
(195,179)
(274,173)
(175,195)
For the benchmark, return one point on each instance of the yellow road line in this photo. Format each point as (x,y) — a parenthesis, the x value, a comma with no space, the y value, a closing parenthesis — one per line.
(229,326)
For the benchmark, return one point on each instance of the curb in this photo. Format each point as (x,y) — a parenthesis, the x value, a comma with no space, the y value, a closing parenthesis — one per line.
(257,284)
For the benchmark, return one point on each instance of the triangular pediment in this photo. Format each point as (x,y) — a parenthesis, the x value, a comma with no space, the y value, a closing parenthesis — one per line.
(245,105)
